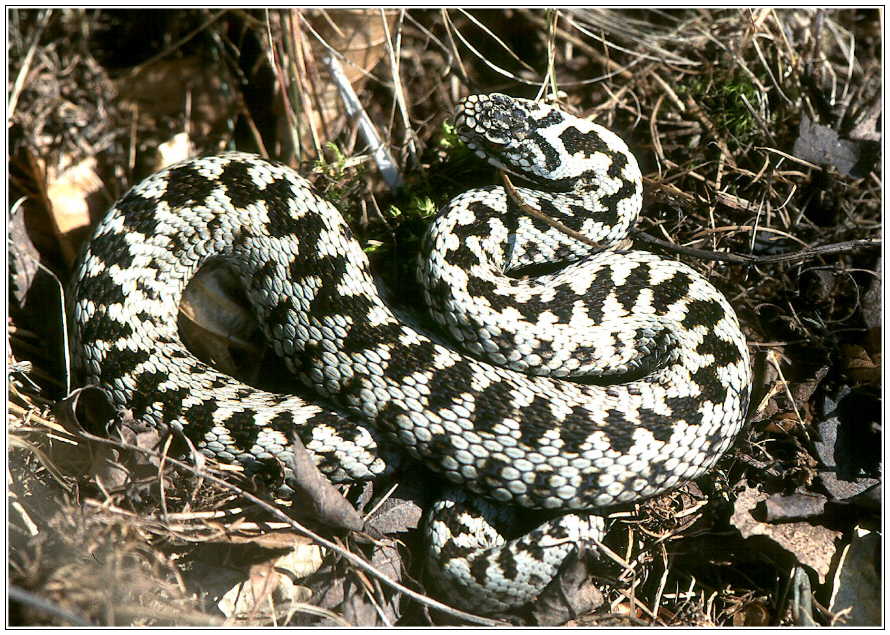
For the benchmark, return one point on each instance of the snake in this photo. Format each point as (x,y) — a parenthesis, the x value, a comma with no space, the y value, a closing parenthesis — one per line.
(552,374)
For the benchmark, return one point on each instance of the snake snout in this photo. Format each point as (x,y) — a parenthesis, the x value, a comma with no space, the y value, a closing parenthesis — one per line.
(493,121)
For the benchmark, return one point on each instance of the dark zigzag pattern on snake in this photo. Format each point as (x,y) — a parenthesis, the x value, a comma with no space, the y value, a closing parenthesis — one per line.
(534,441)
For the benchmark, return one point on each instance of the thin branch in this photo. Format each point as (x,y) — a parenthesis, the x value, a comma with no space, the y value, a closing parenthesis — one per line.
(741,259)
(256,500)
(13,99)
(173,47)
(744,259)
(541,216)
(17,594)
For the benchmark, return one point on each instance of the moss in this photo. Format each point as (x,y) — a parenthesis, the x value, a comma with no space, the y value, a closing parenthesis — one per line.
(723,101)
(339,177)
(450,168)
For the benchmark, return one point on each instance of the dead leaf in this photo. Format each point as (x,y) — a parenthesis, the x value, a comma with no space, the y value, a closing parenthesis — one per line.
(276,539)
(800,506)
(312,488)
(179,86)
(821,285)
(267,594)
(572,592)
(90,410)
(304,558)
(327,586)
(755,613)
(856,588)
(403,510)
(359,35)
(274,573)
(363,604)
(396,515)
(821,145)
(783,413)
(847,444)
(68,188)
(873,314)
(177,149)
(219,326)
(842,490)
(860,366)
(23,258)
(808,544)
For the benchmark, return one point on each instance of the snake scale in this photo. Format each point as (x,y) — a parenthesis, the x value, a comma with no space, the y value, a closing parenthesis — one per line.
(609,378)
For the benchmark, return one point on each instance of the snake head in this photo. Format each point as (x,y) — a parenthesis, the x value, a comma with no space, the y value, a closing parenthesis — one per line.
(545,145)
(493,120)
(495,127)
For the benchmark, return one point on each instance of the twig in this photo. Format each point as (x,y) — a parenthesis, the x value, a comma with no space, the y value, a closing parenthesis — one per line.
(744,259)
(256,500)
(356,112)
(534,213)
(483,58)
(188,36)
(36,602)
(398,87)
(741,259)
(13,99)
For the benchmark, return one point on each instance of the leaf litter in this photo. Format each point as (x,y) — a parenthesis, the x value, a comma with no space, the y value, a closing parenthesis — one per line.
(756,130)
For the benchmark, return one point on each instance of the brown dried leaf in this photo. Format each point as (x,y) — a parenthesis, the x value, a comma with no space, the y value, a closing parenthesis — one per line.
(397,515)
(90,410)
(304,558)
(846,444)
(572,592)
(68,189)
(327,585)
(873,314)
(218,325)
(783,413)
(313,489)
(822,145)
(161,89)
(860,365)
(356,34)
(179,148)
(23,258)
(278,539)
(358,607)
(808,544)
(754,613)
(841,490)
(273,573)
(856,587)
(269,593)
(794,507)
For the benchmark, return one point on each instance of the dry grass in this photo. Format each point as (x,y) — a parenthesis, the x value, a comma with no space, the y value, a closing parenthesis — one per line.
(711,102)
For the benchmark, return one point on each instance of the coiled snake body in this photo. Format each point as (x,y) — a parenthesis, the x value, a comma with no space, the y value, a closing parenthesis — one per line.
(663,367)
